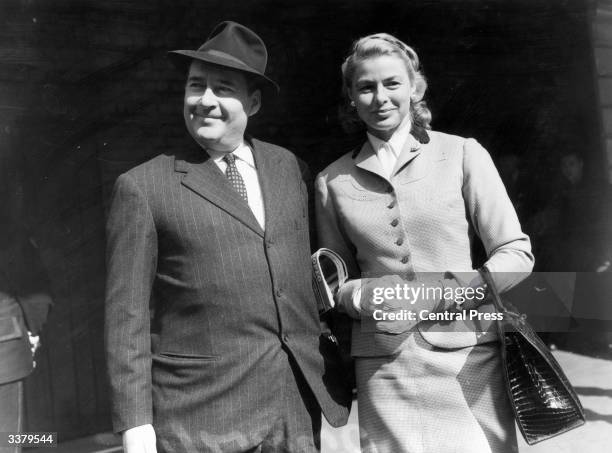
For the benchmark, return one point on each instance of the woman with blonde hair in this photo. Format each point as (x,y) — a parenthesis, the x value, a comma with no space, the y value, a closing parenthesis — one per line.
(403,211)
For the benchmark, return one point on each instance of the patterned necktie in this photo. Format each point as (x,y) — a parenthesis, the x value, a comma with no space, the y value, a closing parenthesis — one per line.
(234,176)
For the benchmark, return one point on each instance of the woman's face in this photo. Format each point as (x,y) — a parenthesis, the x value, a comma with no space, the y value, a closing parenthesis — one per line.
(381,91)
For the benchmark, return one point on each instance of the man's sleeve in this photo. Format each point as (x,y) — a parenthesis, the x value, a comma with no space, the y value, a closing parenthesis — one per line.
(131,266)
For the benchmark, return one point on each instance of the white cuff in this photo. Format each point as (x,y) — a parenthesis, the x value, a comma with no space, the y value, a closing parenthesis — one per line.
(357,299)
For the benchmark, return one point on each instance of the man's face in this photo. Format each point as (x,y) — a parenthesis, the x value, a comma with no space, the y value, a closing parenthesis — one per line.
(217,106)
(571,168)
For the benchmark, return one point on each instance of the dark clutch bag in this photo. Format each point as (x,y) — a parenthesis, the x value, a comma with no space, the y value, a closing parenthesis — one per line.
(544,402)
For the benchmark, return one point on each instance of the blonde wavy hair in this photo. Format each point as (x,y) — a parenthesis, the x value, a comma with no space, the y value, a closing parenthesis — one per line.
(378,45)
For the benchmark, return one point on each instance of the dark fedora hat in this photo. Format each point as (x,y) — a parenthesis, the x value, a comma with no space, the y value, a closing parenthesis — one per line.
(231,45)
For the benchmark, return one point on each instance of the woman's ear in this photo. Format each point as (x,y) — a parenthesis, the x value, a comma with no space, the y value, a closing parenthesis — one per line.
(413,91)
(255,103)
(416,93)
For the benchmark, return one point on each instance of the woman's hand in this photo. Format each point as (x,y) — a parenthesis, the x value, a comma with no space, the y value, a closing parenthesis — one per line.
(390,304)
(384,307)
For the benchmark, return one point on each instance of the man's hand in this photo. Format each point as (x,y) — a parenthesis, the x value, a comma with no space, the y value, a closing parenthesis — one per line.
(140,439)
(34,342)
(34,345)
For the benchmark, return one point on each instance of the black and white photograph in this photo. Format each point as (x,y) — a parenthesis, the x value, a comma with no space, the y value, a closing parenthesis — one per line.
(305,226)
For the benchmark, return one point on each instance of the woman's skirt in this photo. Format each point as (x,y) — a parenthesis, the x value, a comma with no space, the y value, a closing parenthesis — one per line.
(427,399)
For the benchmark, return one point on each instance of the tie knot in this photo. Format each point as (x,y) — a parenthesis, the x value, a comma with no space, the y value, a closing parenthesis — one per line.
(229,158)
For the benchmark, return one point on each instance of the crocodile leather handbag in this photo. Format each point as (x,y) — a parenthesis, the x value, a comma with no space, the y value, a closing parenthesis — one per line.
(544,402)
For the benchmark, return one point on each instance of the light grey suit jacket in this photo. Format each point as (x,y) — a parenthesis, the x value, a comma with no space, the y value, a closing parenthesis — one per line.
(443,194)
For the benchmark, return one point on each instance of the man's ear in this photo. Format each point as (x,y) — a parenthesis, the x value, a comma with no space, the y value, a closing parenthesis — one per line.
(255,102)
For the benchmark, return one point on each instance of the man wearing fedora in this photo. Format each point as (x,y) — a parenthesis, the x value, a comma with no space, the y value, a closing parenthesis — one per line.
(212,331)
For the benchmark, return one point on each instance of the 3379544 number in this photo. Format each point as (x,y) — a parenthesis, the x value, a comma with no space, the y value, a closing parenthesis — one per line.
(40,439)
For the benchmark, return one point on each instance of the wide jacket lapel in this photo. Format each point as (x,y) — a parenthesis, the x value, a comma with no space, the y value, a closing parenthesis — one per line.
(414,161)
(410,163)
(203,176)
(367,160)
(273,179)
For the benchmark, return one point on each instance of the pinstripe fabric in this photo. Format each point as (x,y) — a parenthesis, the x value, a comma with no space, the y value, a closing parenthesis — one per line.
(201,302)
(425,390)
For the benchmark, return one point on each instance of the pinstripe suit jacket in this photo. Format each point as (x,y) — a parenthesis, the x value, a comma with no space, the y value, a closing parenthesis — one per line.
(199,297)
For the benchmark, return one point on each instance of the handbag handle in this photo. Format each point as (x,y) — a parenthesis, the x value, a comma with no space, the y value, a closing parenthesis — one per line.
(499,305)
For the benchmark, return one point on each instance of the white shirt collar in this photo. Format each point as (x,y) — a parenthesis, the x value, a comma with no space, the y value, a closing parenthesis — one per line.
(396,142)
(243,152)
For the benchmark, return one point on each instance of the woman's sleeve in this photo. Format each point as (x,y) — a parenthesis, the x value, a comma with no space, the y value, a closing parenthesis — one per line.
(329,233)
(509,257)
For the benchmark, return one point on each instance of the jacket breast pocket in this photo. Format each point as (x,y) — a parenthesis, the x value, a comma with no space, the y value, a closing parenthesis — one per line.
(181,358)
(10,328)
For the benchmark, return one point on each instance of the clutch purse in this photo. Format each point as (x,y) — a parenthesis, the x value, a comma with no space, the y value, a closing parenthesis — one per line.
(328,273)
(544,402)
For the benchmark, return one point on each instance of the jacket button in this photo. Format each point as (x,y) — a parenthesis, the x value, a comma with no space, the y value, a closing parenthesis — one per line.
(285,338)
(394,222)
(400,241)
(279,293)
(391,205)
(405,259)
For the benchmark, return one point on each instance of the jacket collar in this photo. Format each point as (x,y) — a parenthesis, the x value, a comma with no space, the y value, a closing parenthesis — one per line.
(203,176)
(418,132)
(366,159)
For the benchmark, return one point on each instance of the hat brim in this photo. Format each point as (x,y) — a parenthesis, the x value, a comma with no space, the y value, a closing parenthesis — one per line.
(183,58)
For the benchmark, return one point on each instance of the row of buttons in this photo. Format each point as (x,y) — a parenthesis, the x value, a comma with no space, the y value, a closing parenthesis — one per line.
(400,241)
(391,205)
(278,292)
(394,223)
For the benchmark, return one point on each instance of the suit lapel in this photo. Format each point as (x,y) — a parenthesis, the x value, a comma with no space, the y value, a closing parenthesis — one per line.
(412,163)
(367,160)
(203,176)
(273,181)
